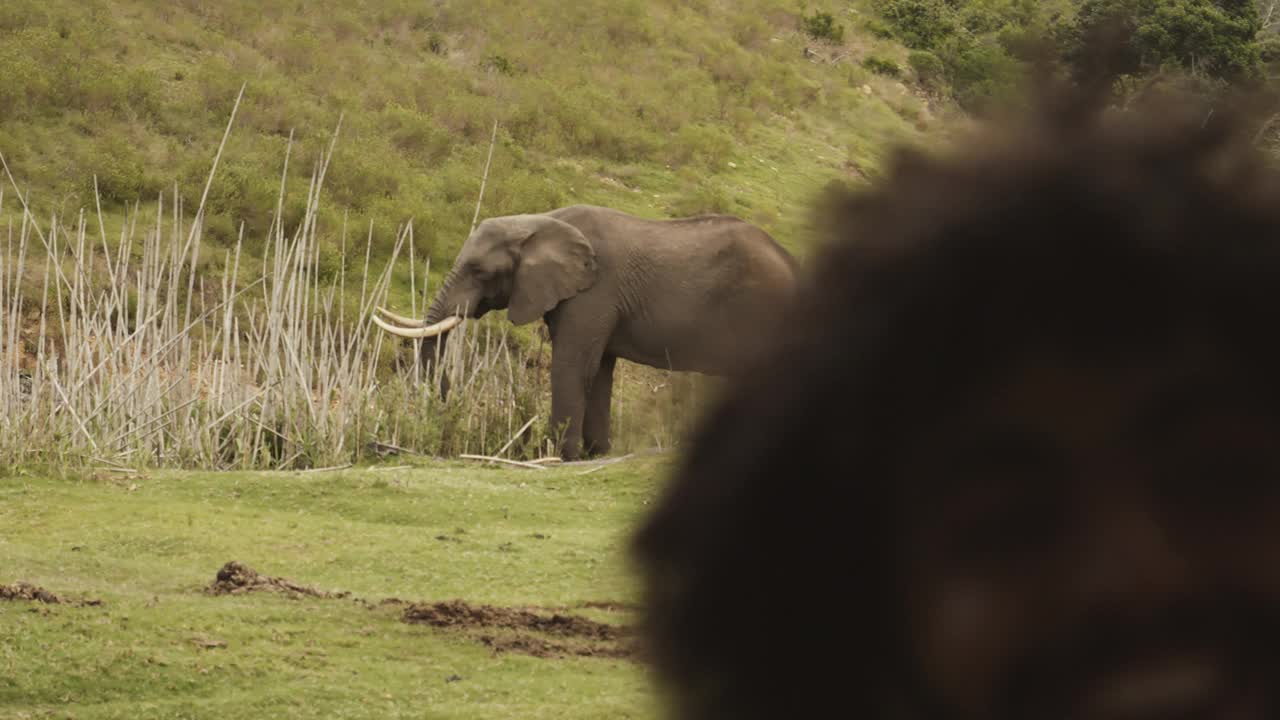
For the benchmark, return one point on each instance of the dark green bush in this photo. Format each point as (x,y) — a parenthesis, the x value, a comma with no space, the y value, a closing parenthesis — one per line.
(1209,38)
(500,64)
(882,66)
(920,24)
(1269,48)
(122,177)
(822,26)
(928,68)
(982,74)
(973,47)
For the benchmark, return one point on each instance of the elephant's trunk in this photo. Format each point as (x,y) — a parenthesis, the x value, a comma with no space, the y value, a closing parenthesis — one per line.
(433,347)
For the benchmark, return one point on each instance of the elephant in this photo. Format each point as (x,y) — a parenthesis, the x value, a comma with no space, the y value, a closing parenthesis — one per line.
(686,294)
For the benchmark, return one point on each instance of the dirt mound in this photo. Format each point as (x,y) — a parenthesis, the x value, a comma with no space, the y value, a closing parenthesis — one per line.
(575,635)
(236,578)
(35,593)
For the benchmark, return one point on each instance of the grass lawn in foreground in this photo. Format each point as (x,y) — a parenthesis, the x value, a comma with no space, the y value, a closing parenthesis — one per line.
(159,645)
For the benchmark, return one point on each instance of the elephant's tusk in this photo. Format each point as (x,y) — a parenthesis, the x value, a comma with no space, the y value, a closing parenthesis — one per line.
(406,321)
(444,325)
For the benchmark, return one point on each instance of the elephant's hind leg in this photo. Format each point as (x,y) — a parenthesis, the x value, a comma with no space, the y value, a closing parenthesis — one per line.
(595,423)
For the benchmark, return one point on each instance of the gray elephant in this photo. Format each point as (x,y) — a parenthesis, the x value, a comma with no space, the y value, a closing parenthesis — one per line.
(686,294)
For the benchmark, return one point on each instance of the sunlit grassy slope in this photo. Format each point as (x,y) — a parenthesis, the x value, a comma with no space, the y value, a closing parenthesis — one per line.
(661,108)
(148,546)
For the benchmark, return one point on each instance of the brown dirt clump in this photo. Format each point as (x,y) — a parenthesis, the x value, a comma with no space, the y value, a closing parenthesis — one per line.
(573,635)
(35,593)
(237,578)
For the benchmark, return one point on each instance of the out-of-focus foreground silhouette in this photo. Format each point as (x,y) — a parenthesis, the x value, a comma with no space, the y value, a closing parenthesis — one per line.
(1016,451)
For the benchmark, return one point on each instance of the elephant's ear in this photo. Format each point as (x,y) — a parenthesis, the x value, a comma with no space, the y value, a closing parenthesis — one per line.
(556,262)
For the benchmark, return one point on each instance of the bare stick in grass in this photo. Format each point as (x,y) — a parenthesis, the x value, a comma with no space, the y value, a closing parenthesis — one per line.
(333,468)
(504,461)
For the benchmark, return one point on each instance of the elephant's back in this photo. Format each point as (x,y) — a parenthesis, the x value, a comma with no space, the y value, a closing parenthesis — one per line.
(712,256)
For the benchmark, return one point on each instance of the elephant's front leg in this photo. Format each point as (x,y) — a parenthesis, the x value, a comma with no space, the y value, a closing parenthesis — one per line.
(595,425)
(571,373)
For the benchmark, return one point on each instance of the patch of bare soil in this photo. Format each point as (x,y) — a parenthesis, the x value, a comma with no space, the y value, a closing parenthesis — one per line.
(35,593)
(237,578)
(537,647)
(548,634)
(527,632)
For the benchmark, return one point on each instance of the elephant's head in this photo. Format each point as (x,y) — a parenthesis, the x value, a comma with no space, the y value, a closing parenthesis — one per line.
(526,264)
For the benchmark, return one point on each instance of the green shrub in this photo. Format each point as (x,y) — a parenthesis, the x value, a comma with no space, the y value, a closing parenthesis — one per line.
(499,64)
(983,74)
(415,135)
(822,26)
(920,24)
(522,191)
(220,228)
(1269,48)
(878,28)
(704,145)
(928,68)
(705,198)
(882,66)
(977,47)
(980,18)
(120,175)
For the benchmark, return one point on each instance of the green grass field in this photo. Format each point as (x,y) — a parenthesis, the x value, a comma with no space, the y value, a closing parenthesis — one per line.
(149,546)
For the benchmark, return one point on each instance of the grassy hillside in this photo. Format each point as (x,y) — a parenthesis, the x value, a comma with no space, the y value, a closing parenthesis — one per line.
(662,108)
(160,646)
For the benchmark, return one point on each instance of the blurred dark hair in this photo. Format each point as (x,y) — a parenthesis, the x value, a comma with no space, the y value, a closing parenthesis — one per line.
(767,563)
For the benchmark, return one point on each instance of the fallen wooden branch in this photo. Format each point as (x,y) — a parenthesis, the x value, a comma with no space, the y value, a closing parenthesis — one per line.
(393,467)
(124,471)
(606,463)
(489,458)
(325,469)
(387,448)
